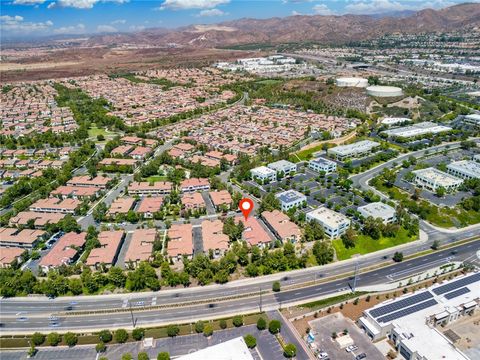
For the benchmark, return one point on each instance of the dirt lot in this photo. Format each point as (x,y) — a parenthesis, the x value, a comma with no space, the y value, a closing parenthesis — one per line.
(468,329)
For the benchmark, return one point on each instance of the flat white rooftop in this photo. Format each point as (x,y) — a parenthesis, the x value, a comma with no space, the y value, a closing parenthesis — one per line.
(330,218)
(417,130)
(395,120)
(438,177)
(234,349)
(263,171)
(377,210)
(358,147)
(467,167)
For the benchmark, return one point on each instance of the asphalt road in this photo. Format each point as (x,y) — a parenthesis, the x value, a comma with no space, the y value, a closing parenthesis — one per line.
(36,312)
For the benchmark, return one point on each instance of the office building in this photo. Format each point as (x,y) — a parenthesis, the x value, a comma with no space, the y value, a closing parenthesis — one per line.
(290,199)
(322,165)
(432,179)
(334,224)
(465,169)
(378,210)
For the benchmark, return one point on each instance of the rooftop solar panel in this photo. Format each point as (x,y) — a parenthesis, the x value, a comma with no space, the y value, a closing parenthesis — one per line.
(457,284)
(407,311)
(400,304)
(456,293)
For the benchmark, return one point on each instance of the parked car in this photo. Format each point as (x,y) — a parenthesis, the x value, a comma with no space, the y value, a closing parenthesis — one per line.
(351,348)
(361,356)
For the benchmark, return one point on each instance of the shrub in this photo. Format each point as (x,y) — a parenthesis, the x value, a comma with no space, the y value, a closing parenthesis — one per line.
(138,333)
(53,339)
(173,330)
(223,324)
(163,356)
(100,347)
(105,336)
(261,323)
(250,340)
(127,356)
(70,339)
(276,286)
(290,350)
(237,320)
(199,325)
(38,339)
(121,336)
(274,326)
(143,356)
(208,330)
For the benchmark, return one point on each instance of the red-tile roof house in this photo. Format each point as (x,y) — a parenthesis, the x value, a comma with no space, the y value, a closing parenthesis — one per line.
(192,201)
(10,256)
(75,192)
(100,182)
(122,150)
(39,219)
(121,206)
(107,253)
(65,250)
(145,188)
(213,237)
(220,198)
(55,205)
(194,184)
(180,241)
(254,233)
(140,153)
(149,205)
(25,238)
(141,246)
(281,226)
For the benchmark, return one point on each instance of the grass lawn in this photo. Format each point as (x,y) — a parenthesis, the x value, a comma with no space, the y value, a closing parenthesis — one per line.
(332,300)
(365,244)
(155,178)
(94,132)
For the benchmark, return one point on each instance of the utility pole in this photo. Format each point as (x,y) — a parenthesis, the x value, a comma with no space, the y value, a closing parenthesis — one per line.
(131,313)
(355,277)
(260,298)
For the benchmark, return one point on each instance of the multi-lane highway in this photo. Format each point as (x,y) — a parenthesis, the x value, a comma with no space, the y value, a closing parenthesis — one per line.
(31,314)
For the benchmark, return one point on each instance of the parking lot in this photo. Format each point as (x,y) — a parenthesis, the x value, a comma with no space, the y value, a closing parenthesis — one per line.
(324,327)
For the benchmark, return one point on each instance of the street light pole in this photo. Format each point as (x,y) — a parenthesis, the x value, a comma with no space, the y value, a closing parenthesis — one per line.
(260,299)
(355,277)
(131,313)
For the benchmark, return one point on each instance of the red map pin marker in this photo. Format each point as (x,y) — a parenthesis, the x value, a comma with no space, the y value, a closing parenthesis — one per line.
(246,206)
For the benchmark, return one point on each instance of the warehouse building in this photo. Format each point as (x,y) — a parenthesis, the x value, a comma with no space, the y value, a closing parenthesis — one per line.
(378,210)
(465,169)
(290,199)
(334,224)
(414,322)
(432,179)
(357,149)
(321,164)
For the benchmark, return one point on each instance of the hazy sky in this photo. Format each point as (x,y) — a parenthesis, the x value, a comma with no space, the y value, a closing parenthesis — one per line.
(46,17)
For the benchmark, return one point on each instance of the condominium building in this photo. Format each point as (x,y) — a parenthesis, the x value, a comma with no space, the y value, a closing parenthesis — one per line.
(378,210)
(432,179)
(26,238)
(334,224)
(65,251)
(55,205)
(180,241)
(145,188)
(264,174)
(195,184)
(141,246)
(107,253)
(465,169)
(290,199)
(322,165)
(358,149)
(213,238)
(281,226)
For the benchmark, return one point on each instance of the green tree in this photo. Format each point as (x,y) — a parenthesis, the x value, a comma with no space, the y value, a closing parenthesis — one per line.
(199,325)
(121,336)
(269,203)
(313,231)
(223,324)
(38,339)
(323,252)
(208,330)
(105,336)
(261,323)
(100,347)
(53,339)
(250,341)
(163,356)
(70,339)
(276,286)
(398,256)
(127,356)
(435,245)
(237,320)
(138,333)
(173,330)
(290,350)
(143,356)
(274,326)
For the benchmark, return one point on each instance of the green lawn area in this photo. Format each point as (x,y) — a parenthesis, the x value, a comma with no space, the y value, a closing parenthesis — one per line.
(365,244)
(94,132)
(156,178)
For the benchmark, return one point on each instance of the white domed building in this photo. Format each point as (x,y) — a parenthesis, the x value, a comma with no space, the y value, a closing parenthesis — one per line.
(384,91)
(352,82)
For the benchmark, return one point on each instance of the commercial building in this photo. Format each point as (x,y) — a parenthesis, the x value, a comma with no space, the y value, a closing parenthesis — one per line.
(195,184)
(145,188)
(283,167)
(465,169)
(322,165)
(414,322)
(395,120)
(472,119)
(351,82)
(220,198)
(180,241)
(281,226)
(141,246)
(264,174)
(357,149)
(25,239)
(418,129)
(290,199)
(334,224)
(378,210)
(55,205)
(384,91)
(64,252)
(213,238)
(432,179)
(107,253)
